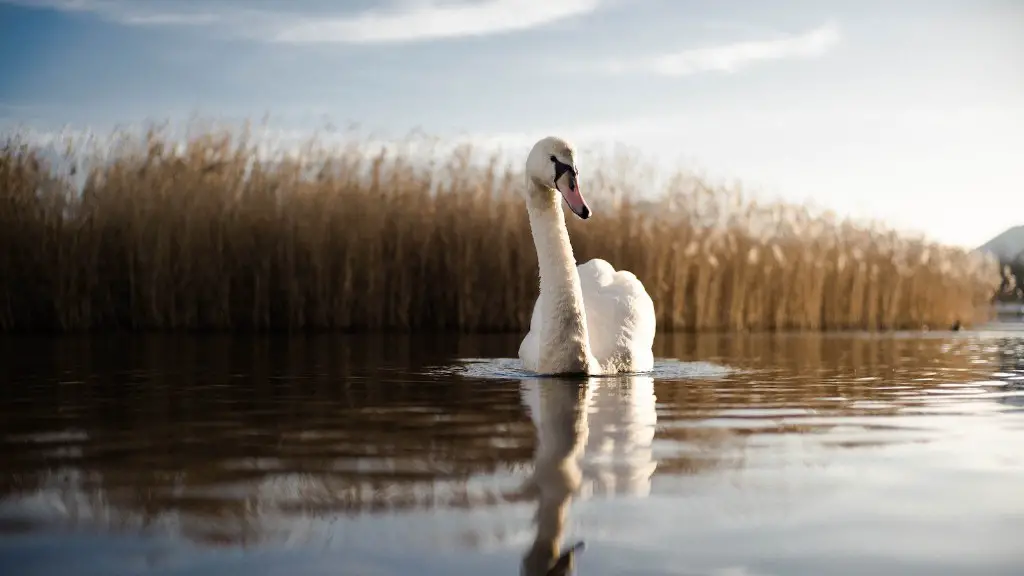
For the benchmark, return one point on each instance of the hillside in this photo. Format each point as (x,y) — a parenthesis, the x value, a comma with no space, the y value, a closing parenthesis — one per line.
(1007,246)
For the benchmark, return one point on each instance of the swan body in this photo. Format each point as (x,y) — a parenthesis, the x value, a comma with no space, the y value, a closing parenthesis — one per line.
(588,319)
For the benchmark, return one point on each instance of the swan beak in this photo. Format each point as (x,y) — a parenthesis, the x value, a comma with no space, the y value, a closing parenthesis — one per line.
(570,190)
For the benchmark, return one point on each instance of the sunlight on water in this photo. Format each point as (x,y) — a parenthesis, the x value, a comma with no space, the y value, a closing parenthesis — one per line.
(739,454)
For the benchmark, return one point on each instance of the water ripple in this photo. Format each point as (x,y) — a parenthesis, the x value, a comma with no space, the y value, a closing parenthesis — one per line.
(873,454)
(511,369)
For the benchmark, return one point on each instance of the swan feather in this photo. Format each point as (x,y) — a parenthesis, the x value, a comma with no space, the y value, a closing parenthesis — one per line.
(588,318)
(620,320)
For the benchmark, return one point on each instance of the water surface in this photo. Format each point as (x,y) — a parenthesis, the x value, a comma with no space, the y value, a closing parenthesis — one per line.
(740,455)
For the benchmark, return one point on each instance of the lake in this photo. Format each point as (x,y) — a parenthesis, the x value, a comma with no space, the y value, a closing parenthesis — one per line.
(741,455)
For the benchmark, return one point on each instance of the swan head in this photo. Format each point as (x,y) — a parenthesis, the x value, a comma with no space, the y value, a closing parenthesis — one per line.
(551,168)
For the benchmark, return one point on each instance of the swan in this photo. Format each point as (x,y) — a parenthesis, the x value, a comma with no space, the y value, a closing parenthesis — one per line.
(588,319)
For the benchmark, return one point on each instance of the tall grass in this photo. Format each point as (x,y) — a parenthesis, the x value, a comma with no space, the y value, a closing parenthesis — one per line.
(212,235)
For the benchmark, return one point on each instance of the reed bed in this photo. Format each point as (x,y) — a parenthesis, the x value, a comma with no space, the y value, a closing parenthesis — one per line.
(211,233)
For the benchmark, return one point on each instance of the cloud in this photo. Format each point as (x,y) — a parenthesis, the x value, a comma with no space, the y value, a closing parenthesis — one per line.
(732,57)
(433,21)
(320,22)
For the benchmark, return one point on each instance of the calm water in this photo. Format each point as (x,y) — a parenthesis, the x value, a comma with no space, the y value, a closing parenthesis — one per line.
(742,455)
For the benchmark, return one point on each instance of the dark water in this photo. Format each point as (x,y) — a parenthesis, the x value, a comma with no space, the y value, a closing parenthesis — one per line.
(745,455)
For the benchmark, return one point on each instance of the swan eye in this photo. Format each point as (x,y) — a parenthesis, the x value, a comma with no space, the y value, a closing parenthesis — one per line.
(562,168)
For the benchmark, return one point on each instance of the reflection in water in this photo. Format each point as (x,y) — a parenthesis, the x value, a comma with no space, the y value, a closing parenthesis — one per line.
(558,408)
(234,441)
(594,433)
(619,459)
(839,454)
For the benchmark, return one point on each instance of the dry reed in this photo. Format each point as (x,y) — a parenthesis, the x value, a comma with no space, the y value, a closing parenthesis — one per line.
(211,235)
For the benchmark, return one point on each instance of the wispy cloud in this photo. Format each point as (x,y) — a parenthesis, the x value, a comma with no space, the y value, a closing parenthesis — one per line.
(732,57)
(319,22)
(433,20)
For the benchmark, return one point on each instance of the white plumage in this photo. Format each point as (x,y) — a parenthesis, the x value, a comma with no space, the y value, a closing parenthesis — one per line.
(589,319)
(620,321)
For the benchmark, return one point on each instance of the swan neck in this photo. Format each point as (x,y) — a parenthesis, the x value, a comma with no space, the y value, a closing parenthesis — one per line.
(554,251)
(564,328)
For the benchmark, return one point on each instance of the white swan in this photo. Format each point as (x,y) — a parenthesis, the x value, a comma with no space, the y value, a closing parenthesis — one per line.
(589,319)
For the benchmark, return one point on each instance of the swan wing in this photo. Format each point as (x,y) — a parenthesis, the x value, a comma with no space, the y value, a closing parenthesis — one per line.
(620,317)
(620,320)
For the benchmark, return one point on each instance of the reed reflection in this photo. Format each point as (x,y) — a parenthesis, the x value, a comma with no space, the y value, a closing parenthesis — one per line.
(593,437)
(244,440)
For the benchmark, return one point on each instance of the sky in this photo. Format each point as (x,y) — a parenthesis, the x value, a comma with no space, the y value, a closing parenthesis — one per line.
(910,112)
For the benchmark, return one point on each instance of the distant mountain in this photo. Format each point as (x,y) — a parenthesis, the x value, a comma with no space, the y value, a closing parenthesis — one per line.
(1007,246)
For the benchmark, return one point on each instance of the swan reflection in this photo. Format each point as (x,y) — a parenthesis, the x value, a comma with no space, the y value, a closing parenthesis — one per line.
(593,438)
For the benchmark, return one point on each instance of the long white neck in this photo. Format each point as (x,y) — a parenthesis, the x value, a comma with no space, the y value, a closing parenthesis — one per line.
(563,339)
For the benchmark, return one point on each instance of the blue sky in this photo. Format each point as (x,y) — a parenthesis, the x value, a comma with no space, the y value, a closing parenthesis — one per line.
(908,111)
